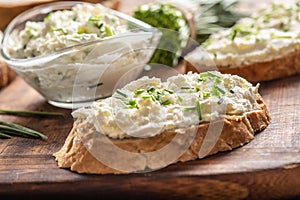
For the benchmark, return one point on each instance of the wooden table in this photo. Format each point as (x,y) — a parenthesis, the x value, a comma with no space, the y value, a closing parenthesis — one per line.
(266,168)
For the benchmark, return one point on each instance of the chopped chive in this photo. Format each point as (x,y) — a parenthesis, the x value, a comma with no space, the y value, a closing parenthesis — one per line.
(179,98)
(108,30)
(200,79)
(79,31)
(215,92)
(186,88)
(233,34)
(211,74)
(220,101)
(94,86)
(221,90)
(215,55)
(132,104)
(94,19)
(146,97)
(205,94)
(169,91)
(198,106)
(189,108)
(121,93)
(197,89)
(58,29)
(218,80)
(151,90)
(166,102)
(48,16)
(153,98)
(140,91)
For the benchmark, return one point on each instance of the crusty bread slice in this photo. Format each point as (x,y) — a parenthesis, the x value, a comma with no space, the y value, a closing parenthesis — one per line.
(237,130)
(284,66)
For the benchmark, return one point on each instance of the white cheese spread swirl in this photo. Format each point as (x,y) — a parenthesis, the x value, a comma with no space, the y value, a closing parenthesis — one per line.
(64,28)
(147,107)
(271,32)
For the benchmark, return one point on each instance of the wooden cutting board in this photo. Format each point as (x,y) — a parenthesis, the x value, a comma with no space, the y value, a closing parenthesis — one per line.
(266,168)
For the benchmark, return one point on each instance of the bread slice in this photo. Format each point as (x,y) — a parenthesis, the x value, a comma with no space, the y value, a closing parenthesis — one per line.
(261,47)
(82,149)
(284,66)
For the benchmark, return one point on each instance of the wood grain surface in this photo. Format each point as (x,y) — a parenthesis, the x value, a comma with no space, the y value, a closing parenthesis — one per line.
(266,168)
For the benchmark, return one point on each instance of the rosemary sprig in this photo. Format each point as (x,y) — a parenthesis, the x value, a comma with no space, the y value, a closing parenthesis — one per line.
(16,129)
(22,112)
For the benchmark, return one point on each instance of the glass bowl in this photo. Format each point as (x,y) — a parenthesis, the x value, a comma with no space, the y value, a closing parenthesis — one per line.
(73,76)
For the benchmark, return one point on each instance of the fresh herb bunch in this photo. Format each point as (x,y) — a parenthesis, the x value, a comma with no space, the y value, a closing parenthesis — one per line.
(174,28)
(213,16)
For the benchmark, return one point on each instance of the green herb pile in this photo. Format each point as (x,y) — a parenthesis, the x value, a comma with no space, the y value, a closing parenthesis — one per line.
(173,26)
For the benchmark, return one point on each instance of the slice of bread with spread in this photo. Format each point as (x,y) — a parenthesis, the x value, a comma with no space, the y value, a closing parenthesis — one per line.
(149,124)
(262,47)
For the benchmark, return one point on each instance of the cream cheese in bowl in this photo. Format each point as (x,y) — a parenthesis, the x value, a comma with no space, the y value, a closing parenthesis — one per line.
(74,52)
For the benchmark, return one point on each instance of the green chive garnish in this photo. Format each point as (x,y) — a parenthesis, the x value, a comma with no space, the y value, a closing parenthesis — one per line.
(132,104)
(189,108)
(179,99)
(140,91)
(211,74)
(151,90)
(186,88)
(233,34)
(220,101)
(121,93)
(220,90)
(198,106)
(146,97)
(215,55)
(205,94)
(169,91)
(108,31)
(58,29)
(166,102)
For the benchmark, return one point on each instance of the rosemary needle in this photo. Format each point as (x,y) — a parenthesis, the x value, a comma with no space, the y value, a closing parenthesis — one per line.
(21,112)
(21,130)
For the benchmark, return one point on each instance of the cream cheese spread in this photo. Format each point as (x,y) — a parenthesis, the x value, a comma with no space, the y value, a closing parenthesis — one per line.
(77,55)
(271,32)
(64,28)
(146,107)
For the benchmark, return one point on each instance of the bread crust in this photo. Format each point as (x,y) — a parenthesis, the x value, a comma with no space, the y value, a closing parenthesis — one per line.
(277,68)
(236,131)
(7,75)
